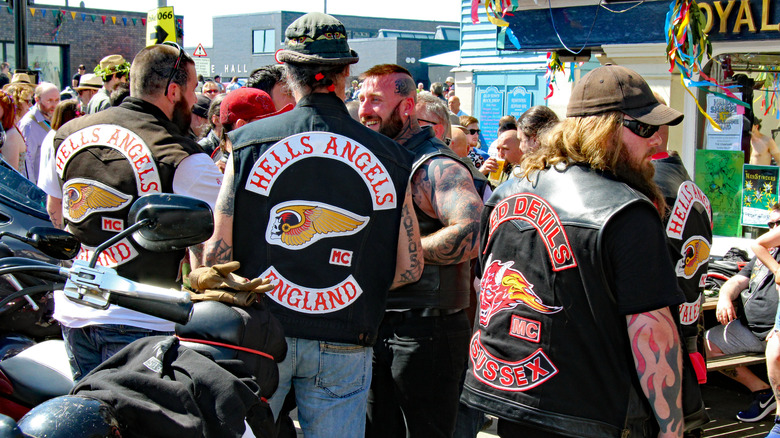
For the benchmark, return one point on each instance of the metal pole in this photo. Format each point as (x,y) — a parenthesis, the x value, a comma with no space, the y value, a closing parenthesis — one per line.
(325,7)
(20,33)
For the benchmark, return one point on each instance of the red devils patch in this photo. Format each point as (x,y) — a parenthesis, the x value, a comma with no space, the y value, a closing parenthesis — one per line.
(537,212)
(509,376)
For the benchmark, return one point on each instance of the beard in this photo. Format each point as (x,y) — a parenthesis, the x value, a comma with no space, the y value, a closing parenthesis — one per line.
(393,126)
(639,176)
(182,115)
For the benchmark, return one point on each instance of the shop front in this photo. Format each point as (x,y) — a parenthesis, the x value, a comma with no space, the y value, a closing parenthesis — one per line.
(735,163)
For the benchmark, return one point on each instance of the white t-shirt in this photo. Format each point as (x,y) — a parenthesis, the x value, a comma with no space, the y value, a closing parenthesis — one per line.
(196,176)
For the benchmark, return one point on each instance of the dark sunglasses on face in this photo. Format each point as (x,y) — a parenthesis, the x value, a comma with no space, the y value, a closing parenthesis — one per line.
(773,224)
(641,129)
(175,65)
(474,131)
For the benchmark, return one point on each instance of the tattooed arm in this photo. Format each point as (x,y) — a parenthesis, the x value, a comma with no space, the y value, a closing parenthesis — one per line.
(219,249)
(54,207)
(655,345)
(409,263)
(443,188)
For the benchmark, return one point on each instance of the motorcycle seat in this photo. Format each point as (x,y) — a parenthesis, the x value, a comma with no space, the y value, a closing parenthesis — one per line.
(39,373)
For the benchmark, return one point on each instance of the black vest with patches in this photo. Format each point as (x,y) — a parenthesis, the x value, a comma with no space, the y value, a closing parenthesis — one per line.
(549,346)
(305,216)
(106,172)
(441,286)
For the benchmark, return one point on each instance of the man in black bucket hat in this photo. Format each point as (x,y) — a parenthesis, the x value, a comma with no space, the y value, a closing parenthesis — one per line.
(574,334)
(312,200)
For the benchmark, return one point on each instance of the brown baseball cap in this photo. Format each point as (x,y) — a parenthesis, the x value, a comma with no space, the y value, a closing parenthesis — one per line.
(616,88)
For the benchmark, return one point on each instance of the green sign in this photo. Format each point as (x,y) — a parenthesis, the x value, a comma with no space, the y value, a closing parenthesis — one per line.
(719,175)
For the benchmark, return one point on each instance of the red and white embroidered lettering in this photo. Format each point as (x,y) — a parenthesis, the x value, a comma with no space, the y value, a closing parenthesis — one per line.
(509,376)
(537,212)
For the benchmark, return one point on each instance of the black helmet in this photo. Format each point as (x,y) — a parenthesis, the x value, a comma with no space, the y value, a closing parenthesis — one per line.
(71,416)
(8,428)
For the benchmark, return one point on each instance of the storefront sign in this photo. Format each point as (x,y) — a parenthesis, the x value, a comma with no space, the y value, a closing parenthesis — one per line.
(759,194)
(719,175)
(491,108)
(726,20)
(520,99)
(729,116)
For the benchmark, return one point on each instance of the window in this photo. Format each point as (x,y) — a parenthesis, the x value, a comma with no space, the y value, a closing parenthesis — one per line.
(263,41)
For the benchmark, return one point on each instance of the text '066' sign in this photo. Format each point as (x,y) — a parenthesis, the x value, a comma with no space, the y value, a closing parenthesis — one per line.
(160,26)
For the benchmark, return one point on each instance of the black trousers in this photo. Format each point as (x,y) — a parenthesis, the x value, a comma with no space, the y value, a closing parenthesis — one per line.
(418,363)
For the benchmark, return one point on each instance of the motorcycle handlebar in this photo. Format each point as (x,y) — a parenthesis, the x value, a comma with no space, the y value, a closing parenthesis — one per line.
(178,312)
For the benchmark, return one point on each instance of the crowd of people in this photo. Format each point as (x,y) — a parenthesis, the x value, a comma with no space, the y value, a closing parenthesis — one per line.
(422,282)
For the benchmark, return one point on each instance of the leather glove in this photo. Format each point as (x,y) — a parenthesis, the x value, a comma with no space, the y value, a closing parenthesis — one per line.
(243,299)
(221,277)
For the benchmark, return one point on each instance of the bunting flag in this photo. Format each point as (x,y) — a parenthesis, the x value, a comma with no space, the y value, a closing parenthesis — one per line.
(143,21)
(93,18)
(10,11)
(32,11)
(103,17)
(113,19)
(83,17)
(134,21)
(554,65)
(686,45)
(124,20)
(43,13)
(73,15)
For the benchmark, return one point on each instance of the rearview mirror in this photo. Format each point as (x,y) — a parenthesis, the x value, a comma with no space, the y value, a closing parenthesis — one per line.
(54,242)
(175,221)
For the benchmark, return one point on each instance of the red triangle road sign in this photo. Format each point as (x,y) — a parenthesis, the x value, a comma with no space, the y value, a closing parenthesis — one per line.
(199,51)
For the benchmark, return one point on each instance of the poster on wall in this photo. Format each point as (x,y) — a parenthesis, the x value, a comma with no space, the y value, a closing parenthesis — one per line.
(491,108)
(719,175)
(759,194)
(729,116)
(519,100)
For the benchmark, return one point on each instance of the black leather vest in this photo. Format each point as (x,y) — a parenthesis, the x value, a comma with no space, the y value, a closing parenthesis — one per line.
(550,347)
(105,162)
(441,286)
(317,209)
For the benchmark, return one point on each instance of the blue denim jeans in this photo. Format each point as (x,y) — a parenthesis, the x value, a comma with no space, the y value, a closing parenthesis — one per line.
(331,382)
(88,346)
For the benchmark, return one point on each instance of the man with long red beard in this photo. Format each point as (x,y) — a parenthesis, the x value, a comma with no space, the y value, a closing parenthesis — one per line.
(575,337)
(114,157)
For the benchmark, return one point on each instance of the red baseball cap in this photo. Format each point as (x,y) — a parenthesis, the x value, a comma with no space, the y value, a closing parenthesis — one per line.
(245,103)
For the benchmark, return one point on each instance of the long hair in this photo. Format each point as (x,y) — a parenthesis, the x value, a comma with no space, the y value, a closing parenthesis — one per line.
(20,93)
(64,112)
(592,140)
(9,110)
(535,119)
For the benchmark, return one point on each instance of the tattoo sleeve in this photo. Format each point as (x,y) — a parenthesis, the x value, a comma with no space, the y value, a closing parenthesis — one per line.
(655,345)
(219,249)
(443,188)
(409,263)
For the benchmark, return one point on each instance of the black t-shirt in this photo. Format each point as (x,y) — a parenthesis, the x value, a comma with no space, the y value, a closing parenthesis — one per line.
(640,284)
(760,298)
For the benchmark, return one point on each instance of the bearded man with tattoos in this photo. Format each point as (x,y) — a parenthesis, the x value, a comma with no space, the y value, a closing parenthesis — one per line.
(423,339)
(574,336)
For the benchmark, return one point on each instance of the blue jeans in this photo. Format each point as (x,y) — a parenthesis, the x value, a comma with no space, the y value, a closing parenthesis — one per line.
(88,346)
(331,383)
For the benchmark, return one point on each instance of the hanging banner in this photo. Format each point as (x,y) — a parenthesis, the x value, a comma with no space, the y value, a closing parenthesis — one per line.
(719,175)
(729,116)
(759,194)
(491,108)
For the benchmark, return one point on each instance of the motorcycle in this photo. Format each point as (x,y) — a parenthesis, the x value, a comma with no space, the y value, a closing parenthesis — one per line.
(159,223)
(27,319)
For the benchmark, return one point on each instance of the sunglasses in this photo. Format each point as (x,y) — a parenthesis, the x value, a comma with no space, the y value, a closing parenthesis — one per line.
(474,131)
(175,65)
(641,129)
(773,224)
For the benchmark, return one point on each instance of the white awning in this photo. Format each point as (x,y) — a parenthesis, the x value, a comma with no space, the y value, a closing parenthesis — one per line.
(448,58)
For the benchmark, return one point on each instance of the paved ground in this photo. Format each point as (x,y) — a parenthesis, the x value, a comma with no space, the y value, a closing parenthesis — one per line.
(723,399)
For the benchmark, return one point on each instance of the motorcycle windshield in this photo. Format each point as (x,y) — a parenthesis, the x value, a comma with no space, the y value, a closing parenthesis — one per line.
(21,193)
